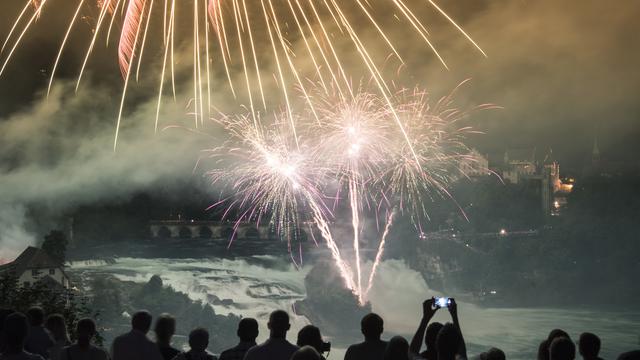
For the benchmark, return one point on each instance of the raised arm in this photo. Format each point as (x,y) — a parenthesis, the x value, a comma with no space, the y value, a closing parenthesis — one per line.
(453,310)
(428,310)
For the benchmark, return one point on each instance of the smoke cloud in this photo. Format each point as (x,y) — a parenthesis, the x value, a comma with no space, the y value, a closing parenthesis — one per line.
(560,69)
(59,154)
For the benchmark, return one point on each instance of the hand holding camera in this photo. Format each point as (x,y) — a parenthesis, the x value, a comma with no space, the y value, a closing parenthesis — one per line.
(446,302)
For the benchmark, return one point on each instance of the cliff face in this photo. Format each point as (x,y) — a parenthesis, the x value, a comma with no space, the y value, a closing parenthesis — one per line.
(330,305)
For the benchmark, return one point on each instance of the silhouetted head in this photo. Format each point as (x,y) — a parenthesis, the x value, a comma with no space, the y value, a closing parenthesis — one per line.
(56,325)
(141,321)
(36,316)
(310,335)
(556,333)
(199,339)
(630,355)
(562,348)
(543,350)
(372,326)
(248,329)
(397,349)
(86,329)
(3,315)
(306,353)
(16,330)
(448,342)
(278,324)
(493,354)
(432,333)
(165,328)
(589,345)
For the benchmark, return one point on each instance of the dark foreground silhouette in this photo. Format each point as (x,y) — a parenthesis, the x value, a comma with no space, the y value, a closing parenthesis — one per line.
(35,336)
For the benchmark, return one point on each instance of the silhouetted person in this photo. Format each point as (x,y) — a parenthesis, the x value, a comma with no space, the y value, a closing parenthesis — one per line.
(198,343)
(165,329)
(556,333)
(39,340)
(306,353)
(58,329)
(543,350)
(3,315)
(373,347)
(83,349)
(428,311)
(276,347)
(397,349)
(135,345)
(562,348)
(493,354)
(15,333)
(630,355)
(247,332)
(450,342)
(589,346)
(310,336)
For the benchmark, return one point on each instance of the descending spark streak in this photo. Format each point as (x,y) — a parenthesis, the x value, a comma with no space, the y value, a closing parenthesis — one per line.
(355,222)
(164,65)
(103,12)
(36,6)
(323,227)
(129,35)
(15,25)
(66,37)
(253,51)
(280,73)
(379,253)
(444,13)
(127,71)
(144,41)
(244,63)
(21,36)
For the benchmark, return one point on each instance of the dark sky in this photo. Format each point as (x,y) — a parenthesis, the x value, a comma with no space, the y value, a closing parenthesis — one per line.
(563,71)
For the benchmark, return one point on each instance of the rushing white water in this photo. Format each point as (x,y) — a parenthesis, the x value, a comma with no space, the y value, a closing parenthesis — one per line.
(258,285)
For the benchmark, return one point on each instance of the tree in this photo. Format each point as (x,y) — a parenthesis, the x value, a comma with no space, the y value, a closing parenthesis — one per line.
(53,300)
(55,245)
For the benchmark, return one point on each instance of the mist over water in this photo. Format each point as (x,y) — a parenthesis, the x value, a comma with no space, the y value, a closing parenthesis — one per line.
(259,284)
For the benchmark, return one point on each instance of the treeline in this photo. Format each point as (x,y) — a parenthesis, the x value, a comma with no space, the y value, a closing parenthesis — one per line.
(116,299)
(584,256)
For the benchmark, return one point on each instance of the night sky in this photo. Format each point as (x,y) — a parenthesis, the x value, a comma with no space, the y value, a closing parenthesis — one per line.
(563,71)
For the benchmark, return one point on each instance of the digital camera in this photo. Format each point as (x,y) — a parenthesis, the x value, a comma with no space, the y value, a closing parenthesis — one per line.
(326,347)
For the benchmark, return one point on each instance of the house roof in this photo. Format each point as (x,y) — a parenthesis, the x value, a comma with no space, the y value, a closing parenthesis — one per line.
(31,258)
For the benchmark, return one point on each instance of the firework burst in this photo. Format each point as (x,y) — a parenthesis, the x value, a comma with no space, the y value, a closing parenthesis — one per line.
(239,36)
(351,154)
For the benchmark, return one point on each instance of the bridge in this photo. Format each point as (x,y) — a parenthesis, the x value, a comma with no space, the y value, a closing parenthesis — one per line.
(207,229)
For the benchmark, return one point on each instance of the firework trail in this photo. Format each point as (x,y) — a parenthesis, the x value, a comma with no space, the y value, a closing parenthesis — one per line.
(129,35)
(270,176)
(245,32)
(352,148)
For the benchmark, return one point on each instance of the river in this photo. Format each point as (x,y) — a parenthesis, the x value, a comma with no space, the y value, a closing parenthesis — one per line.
(259,284)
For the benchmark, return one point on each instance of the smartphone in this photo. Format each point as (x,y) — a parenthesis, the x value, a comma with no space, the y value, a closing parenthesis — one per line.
(442,302)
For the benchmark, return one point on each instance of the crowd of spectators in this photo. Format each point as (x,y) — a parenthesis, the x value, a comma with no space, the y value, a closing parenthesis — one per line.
(34,336)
